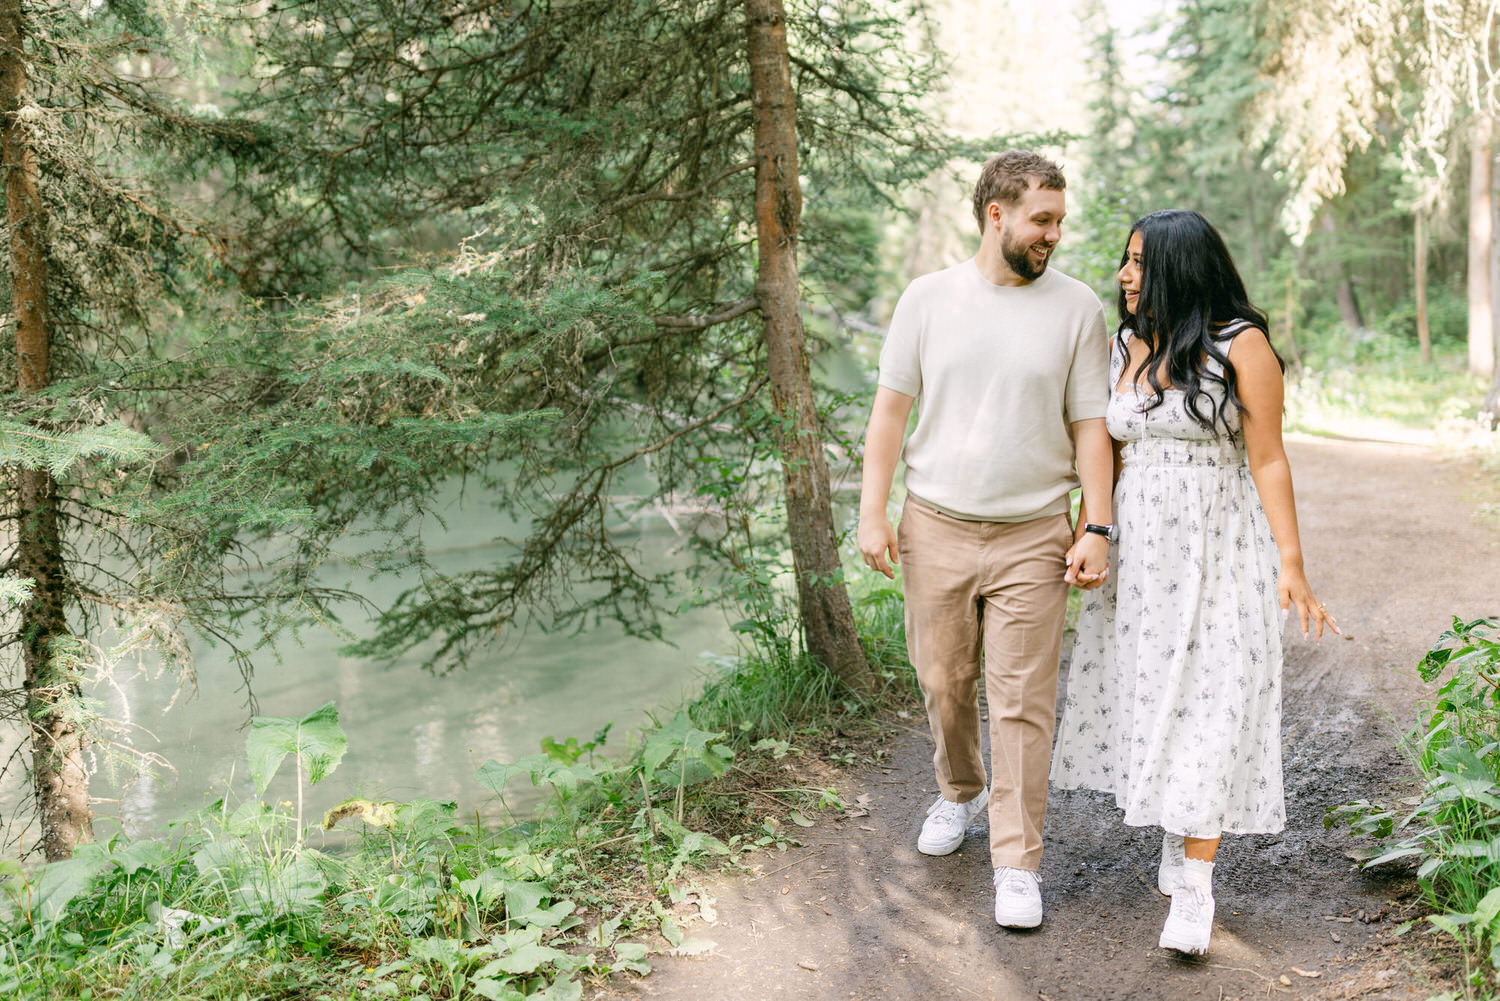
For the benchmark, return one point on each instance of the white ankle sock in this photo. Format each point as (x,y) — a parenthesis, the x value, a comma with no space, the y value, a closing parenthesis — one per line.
(1196,872)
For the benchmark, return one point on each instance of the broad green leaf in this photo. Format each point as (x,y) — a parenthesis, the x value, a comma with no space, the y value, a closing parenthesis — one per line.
(496,990)
(138,855)
(1450,923)
(1393,855)
(315,739)
(631,956)
(564,988)
(59,882)
(528,959)
(486,888)
(1487,909)
(495,776)
(551,917)
(522,899)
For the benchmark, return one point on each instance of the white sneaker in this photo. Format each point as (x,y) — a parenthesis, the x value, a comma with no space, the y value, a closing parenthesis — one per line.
(943,830)
(1169,873)
(1190,922)
(1018,898)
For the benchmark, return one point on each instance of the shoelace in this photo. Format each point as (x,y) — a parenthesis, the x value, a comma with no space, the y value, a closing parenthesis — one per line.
(1017,881)
(951,813)
(1189,903)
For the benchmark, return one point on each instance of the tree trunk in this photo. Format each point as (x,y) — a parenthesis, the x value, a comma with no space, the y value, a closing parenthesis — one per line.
(1249,172)
(1481,312)
(1419,237)
(57,746)
(827,619)
(1291,326)
(1494,285)
(1489,412)
(1343,294)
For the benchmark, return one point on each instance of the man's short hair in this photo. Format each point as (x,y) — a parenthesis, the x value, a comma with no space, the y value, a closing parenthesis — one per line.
(1008,176)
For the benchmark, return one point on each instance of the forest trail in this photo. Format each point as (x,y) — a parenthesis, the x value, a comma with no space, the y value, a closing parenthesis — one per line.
(1395,549)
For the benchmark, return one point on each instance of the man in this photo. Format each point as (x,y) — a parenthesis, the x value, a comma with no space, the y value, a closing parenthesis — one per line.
(1010,360)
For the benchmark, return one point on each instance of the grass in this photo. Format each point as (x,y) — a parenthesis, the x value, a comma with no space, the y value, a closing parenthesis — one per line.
(1378,383)
(410,901)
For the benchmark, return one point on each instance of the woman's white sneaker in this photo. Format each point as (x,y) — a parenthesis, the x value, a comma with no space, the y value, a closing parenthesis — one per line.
(1018,898)
(943,830)
(1190,922)
(1169,873)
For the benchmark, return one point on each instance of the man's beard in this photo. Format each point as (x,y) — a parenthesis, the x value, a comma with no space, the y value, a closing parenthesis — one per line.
(1018,256)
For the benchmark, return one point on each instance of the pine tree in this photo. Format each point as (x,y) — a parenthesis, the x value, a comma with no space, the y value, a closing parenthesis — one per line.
(609,151)
(90,249)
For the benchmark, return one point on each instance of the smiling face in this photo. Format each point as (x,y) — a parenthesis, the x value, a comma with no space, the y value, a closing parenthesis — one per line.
(1030,229)
(1129,274)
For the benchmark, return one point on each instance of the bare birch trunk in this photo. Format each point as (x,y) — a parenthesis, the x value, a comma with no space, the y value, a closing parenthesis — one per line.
(827,619)
(1419,266)
(1481,310)
(57,746)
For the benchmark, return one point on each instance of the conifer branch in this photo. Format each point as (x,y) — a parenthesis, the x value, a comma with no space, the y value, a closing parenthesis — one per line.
(708,319)
(678,196)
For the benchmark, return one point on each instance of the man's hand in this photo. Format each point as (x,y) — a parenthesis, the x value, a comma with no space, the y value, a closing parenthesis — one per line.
(877,540)
(1088,562)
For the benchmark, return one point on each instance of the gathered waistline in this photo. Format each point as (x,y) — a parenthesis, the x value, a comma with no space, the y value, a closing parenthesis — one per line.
(1183,452)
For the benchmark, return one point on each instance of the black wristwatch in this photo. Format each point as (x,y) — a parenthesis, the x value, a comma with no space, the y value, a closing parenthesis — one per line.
(1108,531)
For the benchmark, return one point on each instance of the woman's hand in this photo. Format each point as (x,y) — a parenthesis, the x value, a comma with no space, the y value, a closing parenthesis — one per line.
(877,540)
(1293,590)
(1088,561)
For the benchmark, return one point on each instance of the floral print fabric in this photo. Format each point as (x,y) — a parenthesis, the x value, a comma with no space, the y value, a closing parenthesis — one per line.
(1174,688)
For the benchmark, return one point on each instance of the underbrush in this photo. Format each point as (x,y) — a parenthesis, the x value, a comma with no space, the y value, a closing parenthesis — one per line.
(410,901)
(1451,827)
(1346,384)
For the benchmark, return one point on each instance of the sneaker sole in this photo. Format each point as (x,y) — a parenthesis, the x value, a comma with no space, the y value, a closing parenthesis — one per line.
(1019,919)
(1186,946)
(943,848)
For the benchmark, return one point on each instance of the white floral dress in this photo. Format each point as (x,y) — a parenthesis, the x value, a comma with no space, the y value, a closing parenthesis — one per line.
(1174,687)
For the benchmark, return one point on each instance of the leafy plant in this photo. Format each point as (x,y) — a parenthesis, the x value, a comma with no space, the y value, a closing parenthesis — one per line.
(1453,825)
(315,740)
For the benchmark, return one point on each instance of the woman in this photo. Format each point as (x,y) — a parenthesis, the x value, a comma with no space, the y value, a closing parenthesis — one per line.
(1174,691)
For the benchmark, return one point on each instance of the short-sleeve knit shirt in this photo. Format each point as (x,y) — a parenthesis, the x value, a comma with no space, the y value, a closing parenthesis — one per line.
(999,373)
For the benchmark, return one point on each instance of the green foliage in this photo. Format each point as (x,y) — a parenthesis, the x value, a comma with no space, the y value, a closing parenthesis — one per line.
(26,446)
(315,740)
(1453,826)
(603,292)
(1348,386)
(420,903)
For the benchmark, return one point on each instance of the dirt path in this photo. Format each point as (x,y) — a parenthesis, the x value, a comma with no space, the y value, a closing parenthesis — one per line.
(1394,550)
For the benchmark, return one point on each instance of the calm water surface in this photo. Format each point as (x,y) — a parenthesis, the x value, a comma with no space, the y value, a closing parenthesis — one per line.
(411,734)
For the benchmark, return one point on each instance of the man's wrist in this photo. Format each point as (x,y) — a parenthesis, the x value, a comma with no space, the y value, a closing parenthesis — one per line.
(1108,532)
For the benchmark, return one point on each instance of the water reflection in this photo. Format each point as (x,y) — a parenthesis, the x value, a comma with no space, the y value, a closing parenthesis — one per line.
(410,734)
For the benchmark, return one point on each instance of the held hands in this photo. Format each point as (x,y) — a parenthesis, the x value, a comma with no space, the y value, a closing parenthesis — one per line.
(1293,590)
(877,541)
(1088,561)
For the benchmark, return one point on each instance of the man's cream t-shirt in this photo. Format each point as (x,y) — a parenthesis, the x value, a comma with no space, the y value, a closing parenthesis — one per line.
(1000,372)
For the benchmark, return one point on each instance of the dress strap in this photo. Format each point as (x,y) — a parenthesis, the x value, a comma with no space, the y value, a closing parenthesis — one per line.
(1227,334)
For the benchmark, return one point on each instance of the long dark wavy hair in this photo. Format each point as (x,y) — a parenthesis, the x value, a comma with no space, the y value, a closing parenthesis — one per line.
(1190,291)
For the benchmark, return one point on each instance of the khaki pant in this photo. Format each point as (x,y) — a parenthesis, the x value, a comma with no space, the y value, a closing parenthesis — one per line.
(991,592)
